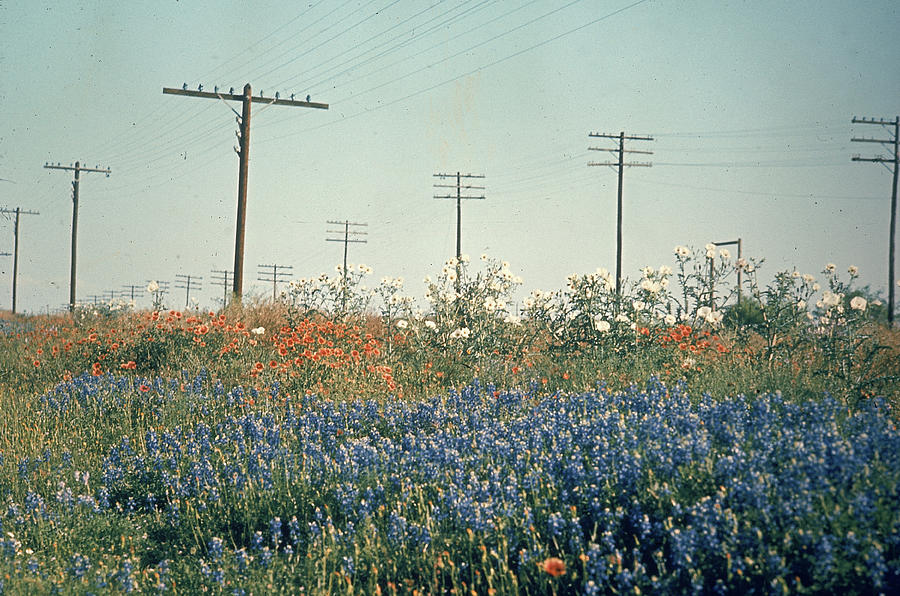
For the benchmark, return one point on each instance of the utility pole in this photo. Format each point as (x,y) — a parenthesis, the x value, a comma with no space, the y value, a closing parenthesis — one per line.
(129,290)
(77,169)
(243,151)
(346,240)
(621,164)
(162,288)
(895,159)
(274,274)
(220,278)
(18,211)
(183,282)
(459,198)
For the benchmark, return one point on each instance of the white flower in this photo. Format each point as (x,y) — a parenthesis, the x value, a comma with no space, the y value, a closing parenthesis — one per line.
(830,299)
(402,324)
(622,318)
(528,302)
(795,274)
(801,304)
(858,303)
(669,319)
(601,325)
(703,312)
(462,332)
(451,276)
(723,252)
(715,317)
(431,325)
(152,287)
(664,283)
(258,330)
(647,271)
(490,304)
(513,320)
(808,278)
(484,257)
(853,270)
(830,267)
(876,303)
(665,270)
(710,246)
(638,305)
(816,287)
(741,263)
(651,286)
(682,251)
(464,258)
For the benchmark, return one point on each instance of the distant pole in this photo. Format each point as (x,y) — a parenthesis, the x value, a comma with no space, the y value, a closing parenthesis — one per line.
(243,152)
(18,211)
(274,274)
(895,160)
(183,282)
(621,165)
(459,198)
(77,169)
(346,240)
(221,279)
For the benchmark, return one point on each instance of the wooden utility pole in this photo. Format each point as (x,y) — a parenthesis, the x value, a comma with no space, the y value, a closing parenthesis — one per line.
(183,282)
(346,240)
(274,274)
(712,264)
(220,278)
(243,151)
(459,198)
(77,169)
(621,164)
(895,160)
(18,211)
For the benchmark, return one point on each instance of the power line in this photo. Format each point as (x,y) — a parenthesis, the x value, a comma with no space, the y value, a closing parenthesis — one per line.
(894,145)
(621,164)
(77,169)
(244,152)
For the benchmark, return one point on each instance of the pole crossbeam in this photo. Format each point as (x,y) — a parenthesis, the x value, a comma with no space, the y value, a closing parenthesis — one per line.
(78,170)
(895,161)
(621,164)
(243,151)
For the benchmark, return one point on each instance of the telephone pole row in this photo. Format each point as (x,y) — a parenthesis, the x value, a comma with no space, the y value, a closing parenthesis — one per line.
(78,170)
(895,160)
(621,164)
(459,198)
(243,151)
(18,211)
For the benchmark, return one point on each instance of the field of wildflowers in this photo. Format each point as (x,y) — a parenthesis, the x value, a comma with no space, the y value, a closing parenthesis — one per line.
(686,438)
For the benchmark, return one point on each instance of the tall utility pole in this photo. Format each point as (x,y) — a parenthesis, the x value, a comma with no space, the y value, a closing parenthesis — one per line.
(274,274)
(243,151)
(18,211)
(220,278)
(347,232)
(77,169)
(621,164)
(184,282)
(895,159)
(459,198)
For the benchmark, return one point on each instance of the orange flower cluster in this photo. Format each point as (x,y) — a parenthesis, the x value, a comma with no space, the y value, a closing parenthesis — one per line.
(687,340)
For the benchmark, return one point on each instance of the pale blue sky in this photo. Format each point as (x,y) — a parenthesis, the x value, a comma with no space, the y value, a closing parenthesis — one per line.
(749,102)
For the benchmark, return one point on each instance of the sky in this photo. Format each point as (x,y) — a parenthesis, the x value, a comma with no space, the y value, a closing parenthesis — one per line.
(749,105)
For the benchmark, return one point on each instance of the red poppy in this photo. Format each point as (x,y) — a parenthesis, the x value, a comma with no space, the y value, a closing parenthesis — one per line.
(553,566)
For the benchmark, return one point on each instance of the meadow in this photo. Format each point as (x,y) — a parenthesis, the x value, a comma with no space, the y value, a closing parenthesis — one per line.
(682,436)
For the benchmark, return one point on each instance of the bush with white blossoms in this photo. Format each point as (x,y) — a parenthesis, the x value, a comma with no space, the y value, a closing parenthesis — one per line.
(343,295)
(472,310)
(705,278)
